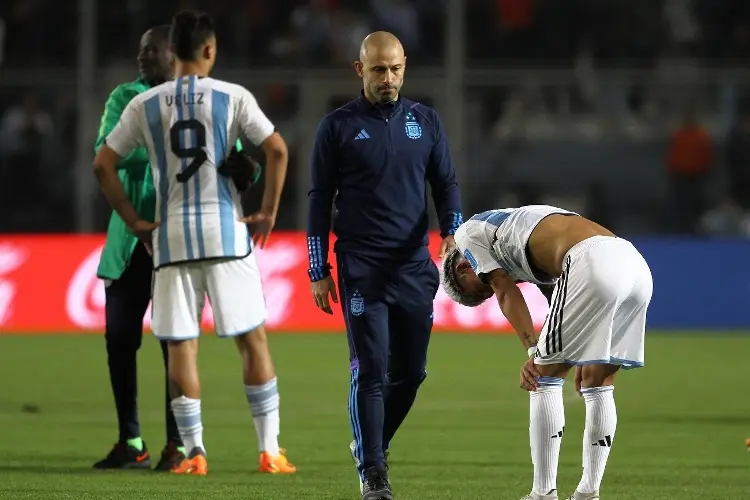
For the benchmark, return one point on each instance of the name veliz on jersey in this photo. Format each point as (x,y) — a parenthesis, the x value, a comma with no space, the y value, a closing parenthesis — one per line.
(187,98)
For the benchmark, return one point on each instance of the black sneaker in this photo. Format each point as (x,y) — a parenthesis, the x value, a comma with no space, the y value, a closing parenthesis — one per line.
(376,486)
(170,457)
(124,456)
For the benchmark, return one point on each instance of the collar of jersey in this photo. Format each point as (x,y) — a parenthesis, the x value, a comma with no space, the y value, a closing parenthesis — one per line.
(384,109)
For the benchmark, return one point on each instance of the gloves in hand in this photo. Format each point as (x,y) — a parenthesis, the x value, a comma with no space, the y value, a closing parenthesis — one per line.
(242,169)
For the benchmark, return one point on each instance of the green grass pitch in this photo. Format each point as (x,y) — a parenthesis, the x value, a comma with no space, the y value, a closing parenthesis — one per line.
(683,421)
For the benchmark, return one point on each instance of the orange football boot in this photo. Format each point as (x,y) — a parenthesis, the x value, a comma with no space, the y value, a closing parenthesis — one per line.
(276,465)
(195,465)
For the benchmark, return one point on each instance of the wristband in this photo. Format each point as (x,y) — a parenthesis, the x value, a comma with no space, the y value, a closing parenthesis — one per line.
(319,273)
(531,351)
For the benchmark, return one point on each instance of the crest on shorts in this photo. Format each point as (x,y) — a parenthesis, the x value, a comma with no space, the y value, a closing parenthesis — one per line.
(413,129)
(357,304)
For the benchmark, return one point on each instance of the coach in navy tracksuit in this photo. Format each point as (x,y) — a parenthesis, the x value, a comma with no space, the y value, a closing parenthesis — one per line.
(376,154)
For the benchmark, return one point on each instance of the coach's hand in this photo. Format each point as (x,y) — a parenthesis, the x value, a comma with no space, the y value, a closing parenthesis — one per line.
(445,245)
(529,376)
(261,224)
(142,229)
(320,290)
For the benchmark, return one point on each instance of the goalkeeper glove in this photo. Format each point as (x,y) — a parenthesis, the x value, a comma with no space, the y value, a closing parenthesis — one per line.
(242,169)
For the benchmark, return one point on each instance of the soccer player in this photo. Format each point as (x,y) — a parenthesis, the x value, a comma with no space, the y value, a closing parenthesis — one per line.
(376,154)
(597,320)
(200,241)
(126,268)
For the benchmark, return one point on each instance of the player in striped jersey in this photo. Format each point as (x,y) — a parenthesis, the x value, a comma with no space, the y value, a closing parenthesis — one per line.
(597,320)
(200,241)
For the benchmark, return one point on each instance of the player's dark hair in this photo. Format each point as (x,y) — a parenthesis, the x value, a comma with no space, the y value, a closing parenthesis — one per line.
(450,282)
(190,30)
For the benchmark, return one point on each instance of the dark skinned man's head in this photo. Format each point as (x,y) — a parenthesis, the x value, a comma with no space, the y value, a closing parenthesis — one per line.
(155,60)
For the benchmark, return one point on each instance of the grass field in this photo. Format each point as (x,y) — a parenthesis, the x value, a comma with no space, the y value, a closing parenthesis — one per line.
(683,422)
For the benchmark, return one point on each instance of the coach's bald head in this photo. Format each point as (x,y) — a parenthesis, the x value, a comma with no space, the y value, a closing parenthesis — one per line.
(381,66)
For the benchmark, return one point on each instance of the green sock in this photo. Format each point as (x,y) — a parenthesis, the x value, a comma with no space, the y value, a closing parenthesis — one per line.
(136,443)
(181,449)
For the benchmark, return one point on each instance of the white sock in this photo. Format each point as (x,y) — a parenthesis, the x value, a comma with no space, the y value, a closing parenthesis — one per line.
(264,406)
(187,414)
(598,435)
(546,425)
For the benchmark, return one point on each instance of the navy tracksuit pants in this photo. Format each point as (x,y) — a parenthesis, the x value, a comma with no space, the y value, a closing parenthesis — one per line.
(126,302)
(388,310)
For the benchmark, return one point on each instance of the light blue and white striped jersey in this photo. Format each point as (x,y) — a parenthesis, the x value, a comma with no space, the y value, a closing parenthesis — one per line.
(189,126)
(497,239)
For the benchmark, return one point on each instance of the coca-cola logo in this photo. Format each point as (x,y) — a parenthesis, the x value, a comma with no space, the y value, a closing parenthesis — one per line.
(275,263)
(77,297)
(11,258)
(84,300)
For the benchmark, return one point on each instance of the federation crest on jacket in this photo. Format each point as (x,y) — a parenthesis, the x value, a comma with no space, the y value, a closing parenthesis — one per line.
(413,129)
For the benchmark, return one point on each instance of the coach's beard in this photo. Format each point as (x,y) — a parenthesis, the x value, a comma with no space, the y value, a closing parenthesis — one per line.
(387,94)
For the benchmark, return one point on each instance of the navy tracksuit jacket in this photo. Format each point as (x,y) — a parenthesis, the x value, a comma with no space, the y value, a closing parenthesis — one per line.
(375,162)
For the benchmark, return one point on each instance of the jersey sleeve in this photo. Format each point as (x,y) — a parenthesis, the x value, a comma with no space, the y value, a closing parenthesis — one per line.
(127,135)
(116,102)
(323,185)
(254,123)
(475,247)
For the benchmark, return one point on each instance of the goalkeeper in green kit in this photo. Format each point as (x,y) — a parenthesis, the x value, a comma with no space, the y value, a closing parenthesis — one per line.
(126,266)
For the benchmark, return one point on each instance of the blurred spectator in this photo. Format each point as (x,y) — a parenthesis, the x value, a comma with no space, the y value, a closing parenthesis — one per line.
(24,127)
(26,143)
(689,162)
(348,29)
(515,24)
(553,130)
(312,24)
(727,218)
(682,26)
(401,18)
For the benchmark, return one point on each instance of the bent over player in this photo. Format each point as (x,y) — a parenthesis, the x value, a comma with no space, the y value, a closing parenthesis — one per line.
(200,243)
(597,320)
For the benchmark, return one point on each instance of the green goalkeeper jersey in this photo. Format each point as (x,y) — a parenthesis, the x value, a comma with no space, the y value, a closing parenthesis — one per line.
(135,173)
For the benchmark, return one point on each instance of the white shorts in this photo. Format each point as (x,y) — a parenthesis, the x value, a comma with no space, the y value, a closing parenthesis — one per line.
(598,310)
(234,290)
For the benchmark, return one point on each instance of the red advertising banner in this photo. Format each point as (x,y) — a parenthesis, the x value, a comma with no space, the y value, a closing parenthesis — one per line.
(48,284)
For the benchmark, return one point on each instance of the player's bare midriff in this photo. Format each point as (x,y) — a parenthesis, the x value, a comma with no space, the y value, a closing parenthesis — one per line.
(555,235)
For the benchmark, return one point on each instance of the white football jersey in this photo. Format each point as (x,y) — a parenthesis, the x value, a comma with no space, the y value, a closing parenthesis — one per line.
(497,239)
(189,126)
